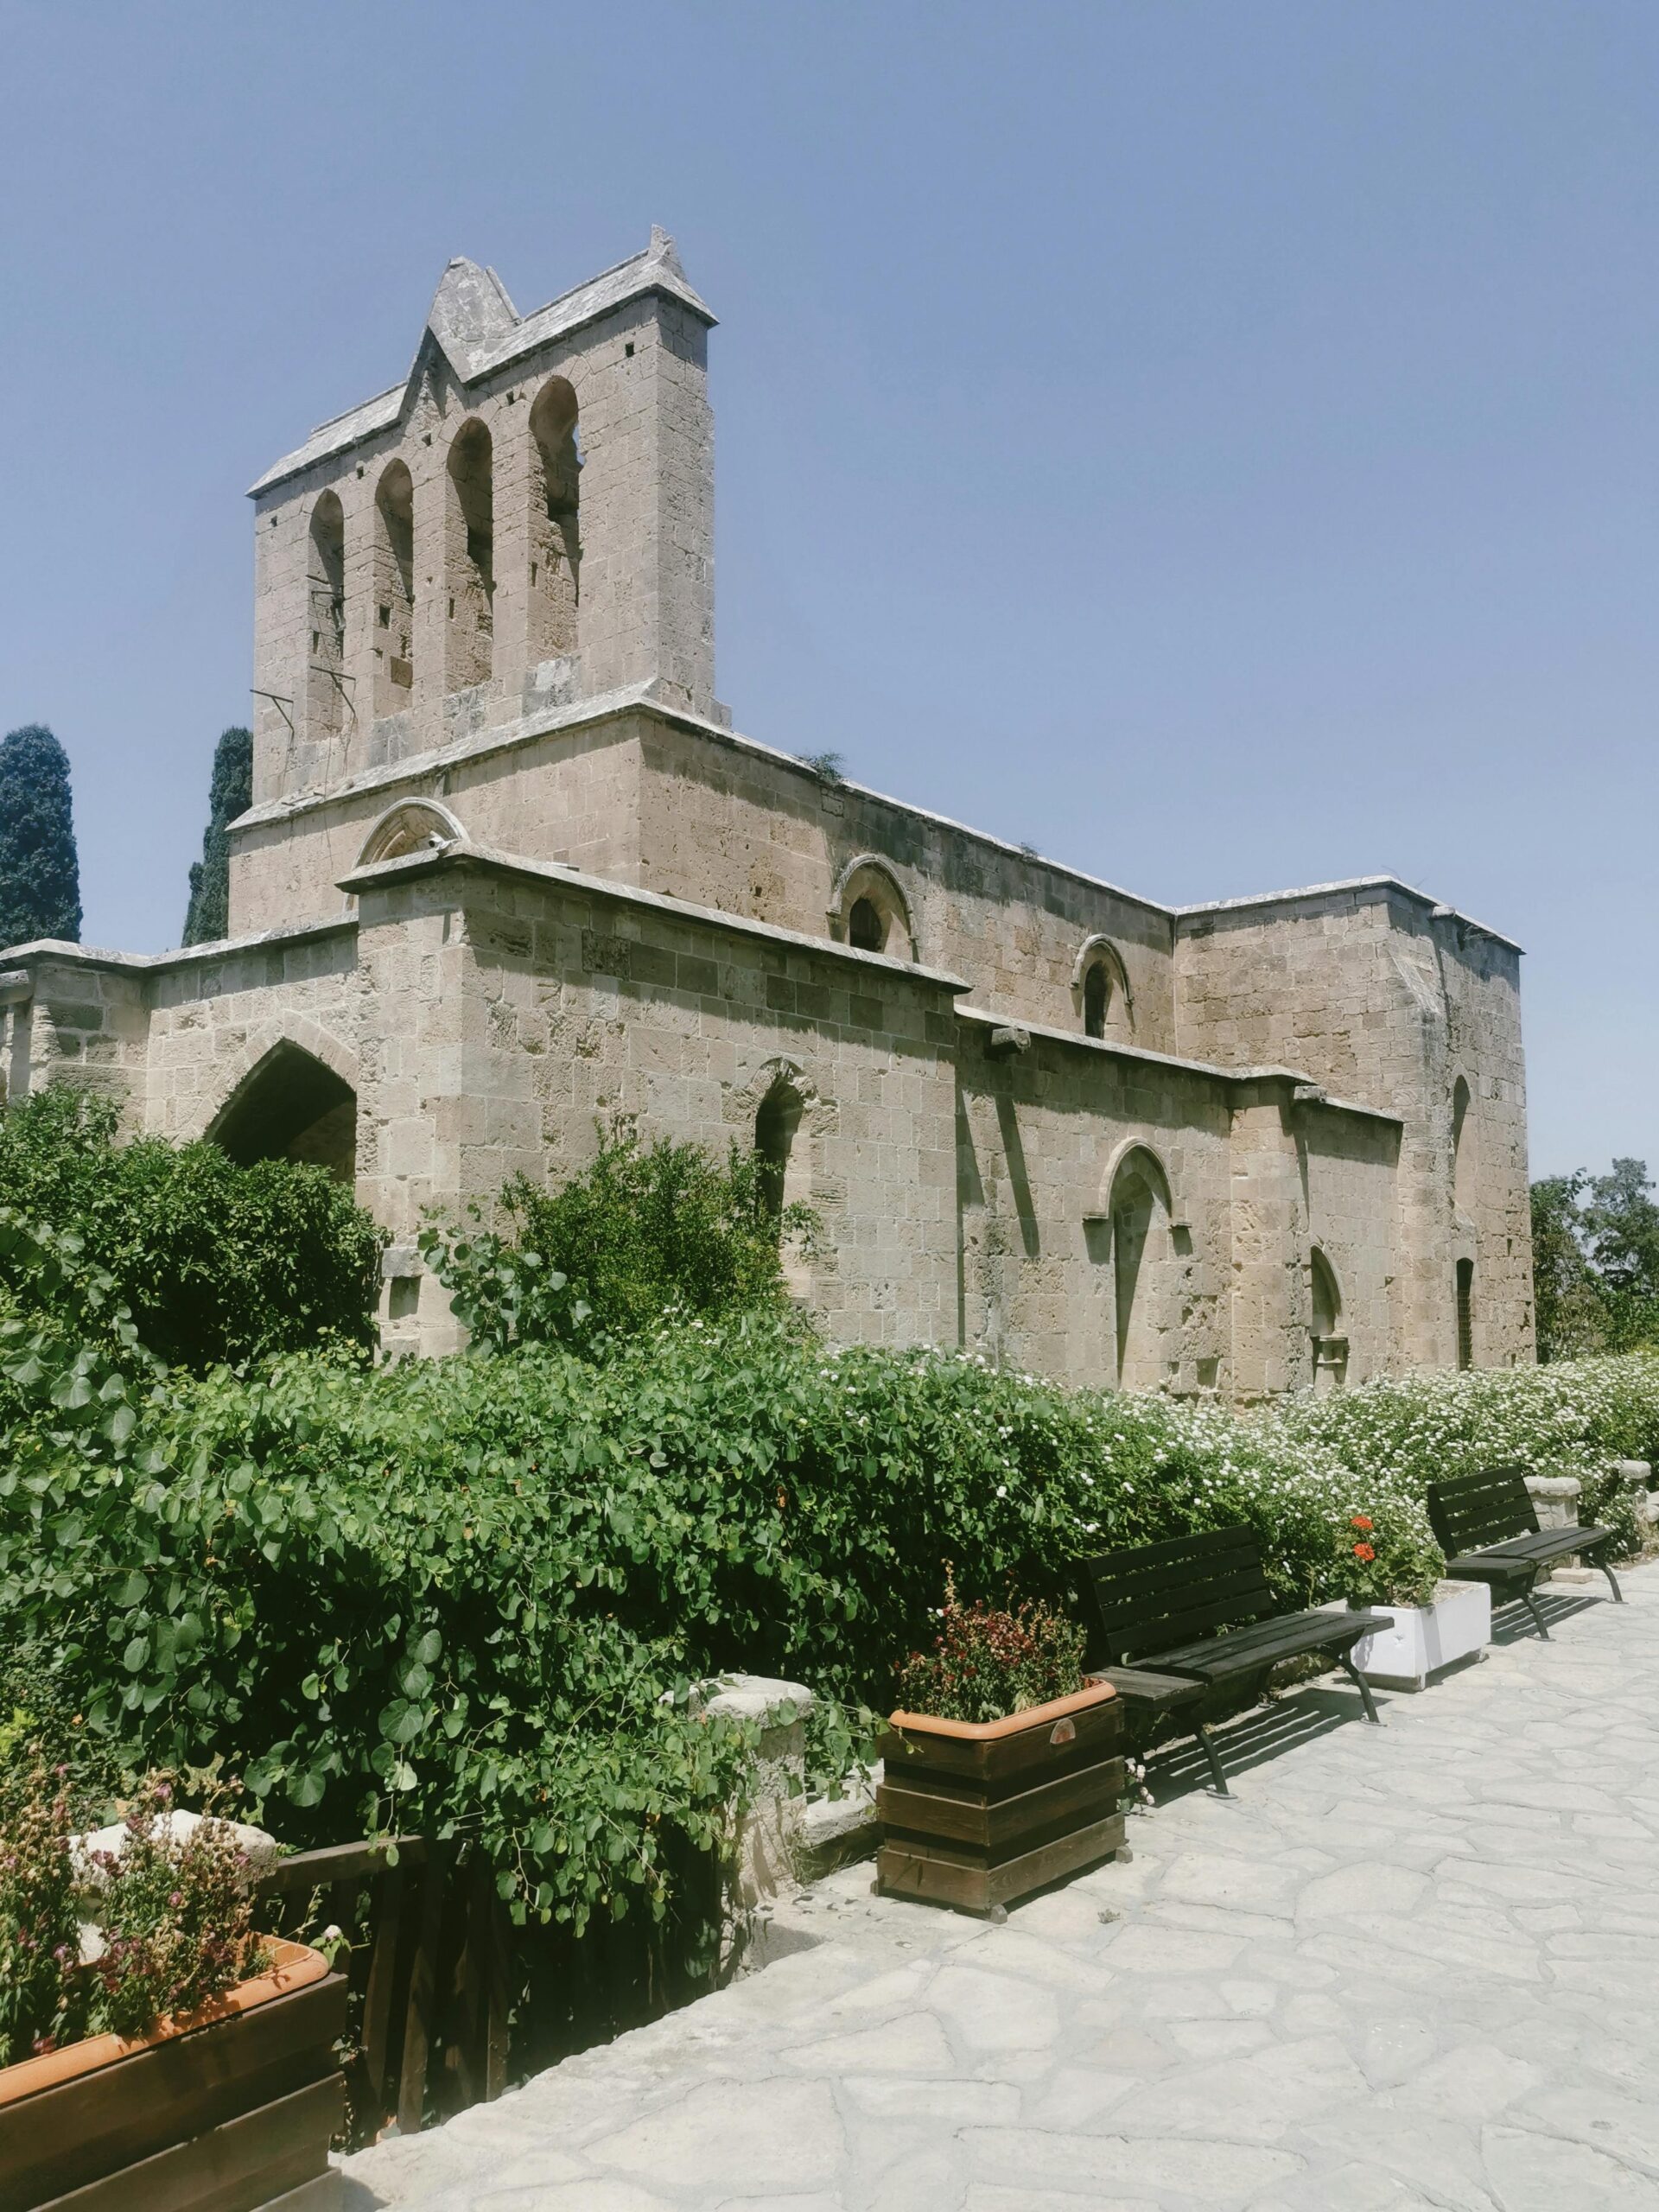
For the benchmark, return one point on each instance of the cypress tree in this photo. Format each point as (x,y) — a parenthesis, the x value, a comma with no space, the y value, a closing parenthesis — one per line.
(40,871)
(209,915)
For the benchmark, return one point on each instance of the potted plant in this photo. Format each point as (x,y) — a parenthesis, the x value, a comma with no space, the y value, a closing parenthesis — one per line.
(1387,1567)
(1002,1769)
(156,2050)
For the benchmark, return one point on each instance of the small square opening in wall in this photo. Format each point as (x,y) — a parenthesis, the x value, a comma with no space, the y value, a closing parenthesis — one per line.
(628,349)
(403,1299)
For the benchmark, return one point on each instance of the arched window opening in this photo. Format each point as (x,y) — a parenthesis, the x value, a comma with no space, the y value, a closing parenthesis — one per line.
(1329,1345)
(1463,1151)
(394,590)
(865,927)
(1143,1274)
(291,1107)
(784,1176)
(1097,994)
(325,689)
(869,911)
(555,522)
(412,825)
(774,1139)
(470,560)
(1102,990)
(1465,1313)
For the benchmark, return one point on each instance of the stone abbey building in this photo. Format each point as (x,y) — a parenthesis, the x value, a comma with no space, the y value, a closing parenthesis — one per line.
(509,869)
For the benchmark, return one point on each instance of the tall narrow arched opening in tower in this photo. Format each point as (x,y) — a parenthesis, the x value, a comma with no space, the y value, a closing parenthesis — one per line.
(470,559)
(325,684)
(394,589)
(290,1106)
(554,579)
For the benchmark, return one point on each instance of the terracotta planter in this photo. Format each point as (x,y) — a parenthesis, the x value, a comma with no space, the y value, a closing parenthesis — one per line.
(978,1814)
(218,2111)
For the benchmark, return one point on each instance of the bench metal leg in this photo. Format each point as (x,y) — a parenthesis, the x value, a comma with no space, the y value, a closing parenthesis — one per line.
(1613,1582)
(1531,1605)
(1346,1662)
(1216,1774)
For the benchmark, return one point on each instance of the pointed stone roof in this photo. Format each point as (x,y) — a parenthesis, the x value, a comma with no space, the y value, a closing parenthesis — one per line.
(470,315)
(475,323)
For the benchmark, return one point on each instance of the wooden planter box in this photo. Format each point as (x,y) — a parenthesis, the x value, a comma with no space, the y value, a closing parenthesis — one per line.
(217,2111)
(977,1814)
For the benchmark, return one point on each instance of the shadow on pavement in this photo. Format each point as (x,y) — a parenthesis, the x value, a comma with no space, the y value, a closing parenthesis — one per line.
(1263,1733)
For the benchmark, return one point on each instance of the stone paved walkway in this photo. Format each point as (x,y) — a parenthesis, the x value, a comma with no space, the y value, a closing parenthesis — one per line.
(1412,1966)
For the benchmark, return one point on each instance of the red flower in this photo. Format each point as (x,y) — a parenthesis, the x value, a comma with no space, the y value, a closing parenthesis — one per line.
(1364,1551)
(1359,1521)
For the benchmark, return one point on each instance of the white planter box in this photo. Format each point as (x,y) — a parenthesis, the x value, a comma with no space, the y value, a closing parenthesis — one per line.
(1426,1640)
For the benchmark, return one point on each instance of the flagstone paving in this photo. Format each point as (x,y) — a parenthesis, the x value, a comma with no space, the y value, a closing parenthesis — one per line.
(1402,1967)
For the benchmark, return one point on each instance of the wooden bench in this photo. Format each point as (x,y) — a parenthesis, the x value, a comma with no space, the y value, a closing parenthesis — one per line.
(1487,1526)
(1196,1614)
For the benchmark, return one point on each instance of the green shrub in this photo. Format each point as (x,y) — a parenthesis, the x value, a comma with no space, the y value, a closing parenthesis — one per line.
(216,1261)
(643,1231)
(452,1596)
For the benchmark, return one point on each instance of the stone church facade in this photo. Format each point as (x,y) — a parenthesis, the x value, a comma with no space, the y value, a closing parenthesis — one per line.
(508,870)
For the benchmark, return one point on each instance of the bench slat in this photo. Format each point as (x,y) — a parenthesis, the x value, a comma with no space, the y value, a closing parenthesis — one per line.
(1472,1512)
(1287,1637)
(1169,1592)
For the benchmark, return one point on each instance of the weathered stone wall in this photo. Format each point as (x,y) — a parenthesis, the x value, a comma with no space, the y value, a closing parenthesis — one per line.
(1387,1001)
(569,794)
(1351,1162)
(519,1011)
(80,1019)
(212,1021)
(752,831)
(1039,1134)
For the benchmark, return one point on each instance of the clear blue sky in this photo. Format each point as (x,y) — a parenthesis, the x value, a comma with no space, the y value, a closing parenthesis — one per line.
(1215,442)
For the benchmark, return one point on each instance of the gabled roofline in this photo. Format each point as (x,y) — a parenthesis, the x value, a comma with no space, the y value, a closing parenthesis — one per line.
(656,270)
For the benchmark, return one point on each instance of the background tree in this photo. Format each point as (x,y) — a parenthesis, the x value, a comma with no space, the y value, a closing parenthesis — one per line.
(1595,1261)
(231,793)
(1621,1223)
(1565,1300)
(40,872)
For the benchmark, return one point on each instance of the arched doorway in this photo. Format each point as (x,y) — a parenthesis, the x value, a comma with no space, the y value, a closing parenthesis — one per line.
(291,1106)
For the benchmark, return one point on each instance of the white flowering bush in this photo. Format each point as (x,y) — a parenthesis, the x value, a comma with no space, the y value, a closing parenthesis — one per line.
(1574,1417)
